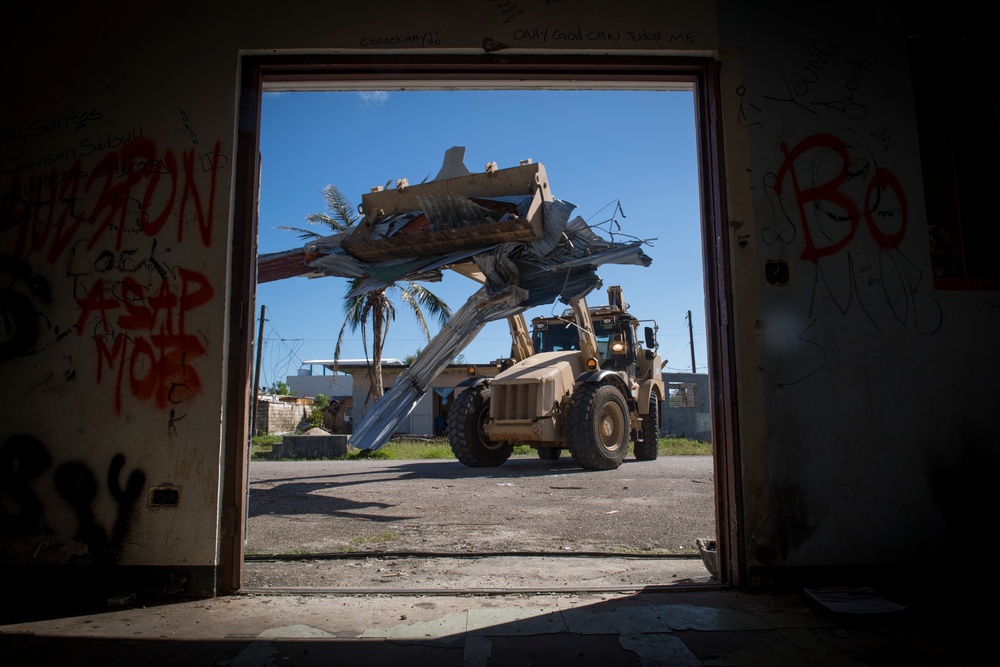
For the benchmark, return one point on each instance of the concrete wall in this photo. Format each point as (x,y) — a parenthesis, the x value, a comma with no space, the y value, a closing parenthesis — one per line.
(117,185)
(313,385)
(690,417)
(275,417)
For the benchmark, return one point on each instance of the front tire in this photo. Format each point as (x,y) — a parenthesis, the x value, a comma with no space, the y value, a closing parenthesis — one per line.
(648,448)
(597,427)
(469,443)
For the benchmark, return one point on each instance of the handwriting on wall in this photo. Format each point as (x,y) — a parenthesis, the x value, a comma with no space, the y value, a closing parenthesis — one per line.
(24,462)
(829,192)
(112,209)
(136,189)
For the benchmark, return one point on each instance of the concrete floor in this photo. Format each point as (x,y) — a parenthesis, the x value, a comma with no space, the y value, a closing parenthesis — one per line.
(677,627)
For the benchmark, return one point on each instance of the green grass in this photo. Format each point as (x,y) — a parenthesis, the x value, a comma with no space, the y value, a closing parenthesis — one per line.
(684,447)
(408,449)
(261,445)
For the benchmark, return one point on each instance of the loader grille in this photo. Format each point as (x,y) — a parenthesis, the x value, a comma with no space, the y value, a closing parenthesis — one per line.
(515,402)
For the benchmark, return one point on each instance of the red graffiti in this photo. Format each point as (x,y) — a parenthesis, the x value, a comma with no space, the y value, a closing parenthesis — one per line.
(134,189)
(141,336)
(884,201)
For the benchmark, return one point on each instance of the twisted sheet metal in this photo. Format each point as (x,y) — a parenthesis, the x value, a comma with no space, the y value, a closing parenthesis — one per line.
(380,423)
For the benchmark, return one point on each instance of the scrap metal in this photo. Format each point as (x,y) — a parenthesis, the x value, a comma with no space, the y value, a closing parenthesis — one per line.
(502,228)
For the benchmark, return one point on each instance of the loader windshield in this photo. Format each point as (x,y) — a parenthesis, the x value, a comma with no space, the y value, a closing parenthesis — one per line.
(555,337)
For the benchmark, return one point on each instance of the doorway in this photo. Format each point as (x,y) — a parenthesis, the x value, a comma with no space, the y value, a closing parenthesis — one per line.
(520,78)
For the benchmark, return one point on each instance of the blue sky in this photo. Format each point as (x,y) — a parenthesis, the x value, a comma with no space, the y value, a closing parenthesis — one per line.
(599,148)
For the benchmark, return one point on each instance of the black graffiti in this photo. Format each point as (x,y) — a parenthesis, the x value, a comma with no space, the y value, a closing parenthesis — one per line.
(75,482)
(21,288)
(24,459)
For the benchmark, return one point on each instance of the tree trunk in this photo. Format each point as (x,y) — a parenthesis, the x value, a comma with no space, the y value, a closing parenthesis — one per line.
(378,339)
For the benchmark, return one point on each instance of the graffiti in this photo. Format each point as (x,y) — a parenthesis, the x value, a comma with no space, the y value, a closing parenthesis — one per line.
(578,34)
(19,318)
(754,127)
(827,188)
(836,214)
(23,460)
(75,482)
(810,91)
(80,75)
(172,423)
(187,126)
(141,336)
(135,187)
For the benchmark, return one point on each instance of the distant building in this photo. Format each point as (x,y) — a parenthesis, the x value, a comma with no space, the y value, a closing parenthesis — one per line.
(314,378)
(430,414)
(686,412)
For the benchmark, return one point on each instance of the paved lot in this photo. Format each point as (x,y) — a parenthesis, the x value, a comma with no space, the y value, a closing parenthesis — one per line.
(442,507)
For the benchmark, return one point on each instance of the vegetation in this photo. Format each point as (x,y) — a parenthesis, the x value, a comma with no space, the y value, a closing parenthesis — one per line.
(406,449)
(280,388)
(371,308)
(320,403)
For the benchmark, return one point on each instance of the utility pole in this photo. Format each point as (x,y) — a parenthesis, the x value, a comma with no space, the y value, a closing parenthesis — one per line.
(256,371)
(691,341)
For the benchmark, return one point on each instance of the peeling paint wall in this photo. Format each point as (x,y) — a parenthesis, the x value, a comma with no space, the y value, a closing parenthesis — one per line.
(116,214)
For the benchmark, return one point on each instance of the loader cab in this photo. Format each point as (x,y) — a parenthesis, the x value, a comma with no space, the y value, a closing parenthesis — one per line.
(616,342)
(554,335)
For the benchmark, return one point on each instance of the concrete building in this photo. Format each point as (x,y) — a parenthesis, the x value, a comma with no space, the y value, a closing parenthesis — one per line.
(847,162)
(429,416)
(687,413)
(315,378)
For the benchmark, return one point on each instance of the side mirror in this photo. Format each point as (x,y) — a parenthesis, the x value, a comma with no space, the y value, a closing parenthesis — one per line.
(650,337)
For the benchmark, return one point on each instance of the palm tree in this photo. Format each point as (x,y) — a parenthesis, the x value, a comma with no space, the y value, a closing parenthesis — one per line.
(342,214)
(373,308)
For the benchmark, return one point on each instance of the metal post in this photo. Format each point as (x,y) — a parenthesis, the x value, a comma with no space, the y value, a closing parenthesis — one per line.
(256,372)
(691,340)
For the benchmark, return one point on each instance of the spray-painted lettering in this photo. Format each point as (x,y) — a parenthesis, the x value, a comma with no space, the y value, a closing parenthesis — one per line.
(820,172)
(141,337)
(134,188)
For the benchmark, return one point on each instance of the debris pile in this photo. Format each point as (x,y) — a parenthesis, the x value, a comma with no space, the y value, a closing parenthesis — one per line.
(502,228)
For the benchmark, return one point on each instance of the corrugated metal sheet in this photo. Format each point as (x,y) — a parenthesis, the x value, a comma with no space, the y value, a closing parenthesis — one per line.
(522,269)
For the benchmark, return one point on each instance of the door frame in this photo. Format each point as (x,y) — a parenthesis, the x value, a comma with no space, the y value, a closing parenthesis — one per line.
(415,72)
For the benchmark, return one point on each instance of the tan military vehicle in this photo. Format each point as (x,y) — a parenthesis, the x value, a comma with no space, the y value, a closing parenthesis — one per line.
(582,382)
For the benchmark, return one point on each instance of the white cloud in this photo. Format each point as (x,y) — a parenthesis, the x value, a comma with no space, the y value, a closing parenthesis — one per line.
(374,98)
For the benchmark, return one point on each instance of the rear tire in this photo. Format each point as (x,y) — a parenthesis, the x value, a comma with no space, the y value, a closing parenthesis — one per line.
(469,443)
(597,427)
(648,448)
(549,453)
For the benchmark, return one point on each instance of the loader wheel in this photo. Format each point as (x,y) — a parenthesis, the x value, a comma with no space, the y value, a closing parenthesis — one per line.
(465,431)
(549,453)
(597,427)
(648,448)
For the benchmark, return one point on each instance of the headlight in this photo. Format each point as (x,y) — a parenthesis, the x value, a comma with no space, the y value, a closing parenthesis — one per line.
(618,347)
